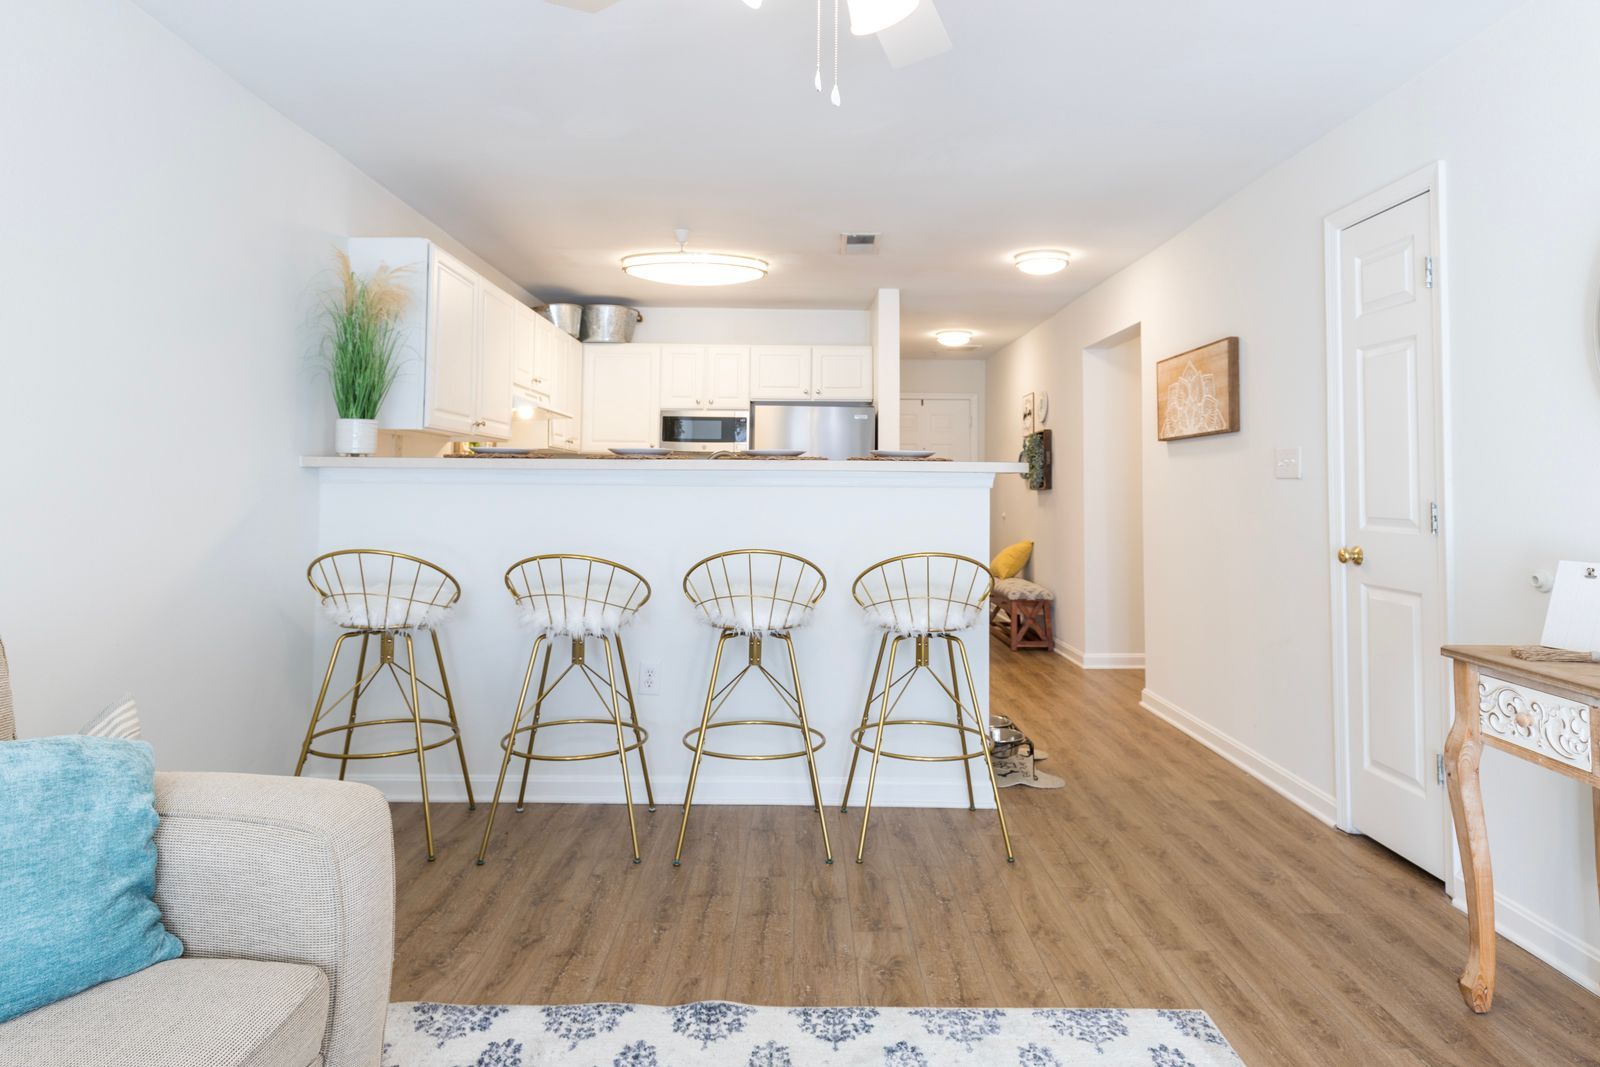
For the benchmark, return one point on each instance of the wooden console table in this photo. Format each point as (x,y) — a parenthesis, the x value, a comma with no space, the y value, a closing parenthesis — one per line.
(1541,712)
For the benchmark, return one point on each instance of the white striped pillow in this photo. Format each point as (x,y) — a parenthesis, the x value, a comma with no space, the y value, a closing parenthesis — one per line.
(120,720)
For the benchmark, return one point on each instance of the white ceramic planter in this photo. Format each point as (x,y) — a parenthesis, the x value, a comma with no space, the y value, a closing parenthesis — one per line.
(355,437)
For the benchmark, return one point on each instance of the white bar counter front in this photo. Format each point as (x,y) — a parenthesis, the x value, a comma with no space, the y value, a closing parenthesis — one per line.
(475,517)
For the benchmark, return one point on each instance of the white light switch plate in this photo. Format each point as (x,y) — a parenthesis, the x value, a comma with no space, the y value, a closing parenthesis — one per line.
(1286,463)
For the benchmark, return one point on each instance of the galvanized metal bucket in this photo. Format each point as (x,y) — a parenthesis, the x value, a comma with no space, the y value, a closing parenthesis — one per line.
(567,317)
(610,323)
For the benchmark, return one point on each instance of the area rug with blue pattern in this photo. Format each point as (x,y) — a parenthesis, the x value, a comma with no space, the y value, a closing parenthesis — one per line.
(721,1034)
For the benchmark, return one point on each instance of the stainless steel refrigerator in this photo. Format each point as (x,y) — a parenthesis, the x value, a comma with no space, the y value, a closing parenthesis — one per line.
(837,431)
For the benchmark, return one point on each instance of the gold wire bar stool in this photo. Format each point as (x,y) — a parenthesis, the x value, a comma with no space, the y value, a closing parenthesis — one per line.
(922,597)
(576,598)
(757,594)
(372,593)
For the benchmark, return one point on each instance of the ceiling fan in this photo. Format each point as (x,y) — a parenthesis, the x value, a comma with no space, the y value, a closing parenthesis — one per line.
(909,30)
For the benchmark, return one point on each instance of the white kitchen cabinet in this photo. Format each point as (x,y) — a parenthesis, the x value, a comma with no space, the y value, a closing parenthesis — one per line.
(822,372)
(568,395)
(458,342)
(683,377)
(841,372)
(621,400)
(497,352)
(552,341)
(727,378)
(706,378)
(780,372)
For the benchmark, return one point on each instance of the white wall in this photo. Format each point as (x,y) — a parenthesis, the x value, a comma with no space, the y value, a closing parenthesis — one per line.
(1511,115)
(1113,533)
(754,326)
(165,242)
(952,376)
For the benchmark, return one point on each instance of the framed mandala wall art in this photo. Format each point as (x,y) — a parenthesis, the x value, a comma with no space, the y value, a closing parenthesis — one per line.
(1197,392)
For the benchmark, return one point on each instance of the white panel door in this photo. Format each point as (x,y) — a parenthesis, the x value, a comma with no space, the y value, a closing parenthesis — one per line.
(452,347)
(941,424)
(841,372)
(683,377)
(621,396)
(496,355)
(780,372)
(727,378)
(1392,591)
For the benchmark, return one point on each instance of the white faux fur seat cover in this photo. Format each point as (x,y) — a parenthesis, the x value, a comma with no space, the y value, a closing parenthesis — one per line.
(923,615)
(572,616)
(745,613)
(1021,589)
(378,610)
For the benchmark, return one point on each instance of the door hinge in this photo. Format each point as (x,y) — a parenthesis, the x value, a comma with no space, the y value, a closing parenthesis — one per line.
(1438,766)
(1427,268)
(1433,517)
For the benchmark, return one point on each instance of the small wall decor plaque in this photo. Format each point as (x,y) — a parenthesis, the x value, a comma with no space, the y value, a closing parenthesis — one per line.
(1028,424)
(1197,392)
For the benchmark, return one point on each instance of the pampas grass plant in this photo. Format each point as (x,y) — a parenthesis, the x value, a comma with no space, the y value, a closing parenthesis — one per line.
(363,316)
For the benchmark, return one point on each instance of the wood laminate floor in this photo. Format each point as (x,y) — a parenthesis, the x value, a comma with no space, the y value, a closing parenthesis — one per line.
(1161,876)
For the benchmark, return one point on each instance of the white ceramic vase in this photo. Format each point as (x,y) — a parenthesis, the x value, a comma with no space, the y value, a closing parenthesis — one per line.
(355,437)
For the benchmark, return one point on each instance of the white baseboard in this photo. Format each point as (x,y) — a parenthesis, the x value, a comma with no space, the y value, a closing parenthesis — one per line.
(1572,956)
(601,788)
(1100,661)
(1285,782)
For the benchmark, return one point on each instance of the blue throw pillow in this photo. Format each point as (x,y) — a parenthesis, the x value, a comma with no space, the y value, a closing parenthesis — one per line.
(77,868)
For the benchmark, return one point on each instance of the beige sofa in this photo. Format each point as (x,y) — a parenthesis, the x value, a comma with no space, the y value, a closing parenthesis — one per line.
(282,892)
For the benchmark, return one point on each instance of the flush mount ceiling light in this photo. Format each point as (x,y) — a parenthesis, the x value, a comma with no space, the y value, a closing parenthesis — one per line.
(694,268)
(1042,261)
(953,338)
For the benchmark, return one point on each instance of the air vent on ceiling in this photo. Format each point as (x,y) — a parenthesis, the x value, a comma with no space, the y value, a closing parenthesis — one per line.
(858,244)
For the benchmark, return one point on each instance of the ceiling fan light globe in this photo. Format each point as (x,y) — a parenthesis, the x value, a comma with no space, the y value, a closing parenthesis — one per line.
(953,338)
(754,5)
(871,16)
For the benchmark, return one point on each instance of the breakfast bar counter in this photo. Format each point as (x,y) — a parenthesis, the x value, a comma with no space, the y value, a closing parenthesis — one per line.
(476,516)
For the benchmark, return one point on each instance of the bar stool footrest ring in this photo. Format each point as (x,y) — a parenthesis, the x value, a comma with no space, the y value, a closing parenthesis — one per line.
(352,727)
(638,743)
(689,739)
(857,734)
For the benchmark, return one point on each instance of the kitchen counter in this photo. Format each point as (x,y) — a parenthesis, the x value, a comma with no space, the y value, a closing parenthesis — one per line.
(476,516)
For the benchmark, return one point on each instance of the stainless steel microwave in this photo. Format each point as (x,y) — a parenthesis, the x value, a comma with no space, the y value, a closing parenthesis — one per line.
(705,431)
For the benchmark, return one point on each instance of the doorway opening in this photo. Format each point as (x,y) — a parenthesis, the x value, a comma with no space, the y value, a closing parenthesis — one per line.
(1113,502)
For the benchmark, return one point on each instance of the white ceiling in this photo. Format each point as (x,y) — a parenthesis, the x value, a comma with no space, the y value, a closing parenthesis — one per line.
(552,142)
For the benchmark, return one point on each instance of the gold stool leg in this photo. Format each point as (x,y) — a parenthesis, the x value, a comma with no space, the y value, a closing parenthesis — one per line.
(511,742)
(966,764)
(877,750)
(316,709)
(538,705)
(450,706)
(811,756)
(988,757)
(866,709)
(700,745)
(355,699)
(622,751)
(422,756)
(633,718)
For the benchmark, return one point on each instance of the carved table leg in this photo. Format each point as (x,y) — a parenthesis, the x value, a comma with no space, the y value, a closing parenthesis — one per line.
(1462,751)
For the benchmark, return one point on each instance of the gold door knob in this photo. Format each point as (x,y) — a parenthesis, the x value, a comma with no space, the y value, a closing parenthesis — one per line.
(1352,555)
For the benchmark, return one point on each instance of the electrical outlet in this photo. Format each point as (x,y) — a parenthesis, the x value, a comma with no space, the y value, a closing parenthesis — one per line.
(647,679)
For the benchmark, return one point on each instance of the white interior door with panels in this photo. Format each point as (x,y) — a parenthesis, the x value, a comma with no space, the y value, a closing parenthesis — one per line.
(1386,467)
(941,423)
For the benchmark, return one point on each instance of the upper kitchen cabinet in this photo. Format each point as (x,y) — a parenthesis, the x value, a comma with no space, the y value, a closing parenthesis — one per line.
(457,342)
(621,396)
(780,372)
(841,372)
(823,372)
(565,432)
(707,378)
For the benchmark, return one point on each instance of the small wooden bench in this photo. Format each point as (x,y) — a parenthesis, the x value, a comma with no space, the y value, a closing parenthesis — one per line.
(1029,621)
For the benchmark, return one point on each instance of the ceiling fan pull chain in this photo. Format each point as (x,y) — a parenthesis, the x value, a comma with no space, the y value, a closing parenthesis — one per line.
(835,96)
(818,81)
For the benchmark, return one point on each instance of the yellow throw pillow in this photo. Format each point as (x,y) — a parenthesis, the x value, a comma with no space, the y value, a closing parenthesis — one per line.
(1010,561)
